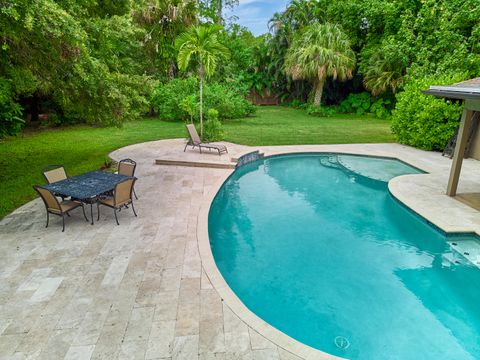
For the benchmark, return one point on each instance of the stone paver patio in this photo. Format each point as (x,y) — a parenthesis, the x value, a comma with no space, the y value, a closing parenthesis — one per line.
(139,290)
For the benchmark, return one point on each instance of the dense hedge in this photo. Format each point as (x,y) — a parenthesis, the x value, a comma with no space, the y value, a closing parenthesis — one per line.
(171,100)
(425,121)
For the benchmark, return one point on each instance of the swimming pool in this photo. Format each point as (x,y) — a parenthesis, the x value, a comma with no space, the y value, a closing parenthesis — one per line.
(316,246)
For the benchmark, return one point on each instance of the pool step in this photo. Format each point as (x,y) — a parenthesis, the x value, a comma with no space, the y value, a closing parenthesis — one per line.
(331,162)
(466,248)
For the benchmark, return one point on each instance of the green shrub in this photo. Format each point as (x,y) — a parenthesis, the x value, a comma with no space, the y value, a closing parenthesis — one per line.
(189,104)
(173,100)
(229,103)
(363,103)
(10,112)
(425,121)
(356,103)
(382,108)
(212,128)
(321,111)
(296,104)
(55,120)
(166,98)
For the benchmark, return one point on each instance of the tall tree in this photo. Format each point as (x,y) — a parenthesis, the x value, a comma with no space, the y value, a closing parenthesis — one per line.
(213,9)
(200,45)
(163,21)
(319,51)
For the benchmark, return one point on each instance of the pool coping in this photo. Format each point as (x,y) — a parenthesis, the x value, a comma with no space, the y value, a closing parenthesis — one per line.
(233,301)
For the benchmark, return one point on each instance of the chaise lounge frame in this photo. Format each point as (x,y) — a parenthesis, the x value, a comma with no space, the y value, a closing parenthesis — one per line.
(196,141)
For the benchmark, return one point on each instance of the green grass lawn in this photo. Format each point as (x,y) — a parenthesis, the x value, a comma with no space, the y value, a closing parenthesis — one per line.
(83,148)
(285,126)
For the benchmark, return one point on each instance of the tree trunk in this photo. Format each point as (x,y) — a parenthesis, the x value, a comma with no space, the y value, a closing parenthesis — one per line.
(201,105)
(318,89)
(219,11)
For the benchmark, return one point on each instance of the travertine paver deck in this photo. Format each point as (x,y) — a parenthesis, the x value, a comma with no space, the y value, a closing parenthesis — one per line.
(138,291)
(134,291)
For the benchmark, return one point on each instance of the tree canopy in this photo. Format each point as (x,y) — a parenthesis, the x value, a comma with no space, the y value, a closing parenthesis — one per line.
(102,61)
(200,45)
(319,51)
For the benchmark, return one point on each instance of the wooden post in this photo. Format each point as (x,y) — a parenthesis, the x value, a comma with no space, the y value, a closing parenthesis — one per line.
(462,139)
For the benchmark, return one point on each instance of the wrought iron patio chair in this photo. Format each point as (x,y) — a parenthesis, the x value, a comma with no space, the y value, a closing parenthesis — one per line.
(56,207)
(122,197)
(127,167)
(54,173)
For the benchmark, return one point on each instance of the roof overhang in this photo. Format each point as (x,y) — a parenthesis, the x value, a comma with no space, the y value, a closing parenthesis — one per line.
(454,92)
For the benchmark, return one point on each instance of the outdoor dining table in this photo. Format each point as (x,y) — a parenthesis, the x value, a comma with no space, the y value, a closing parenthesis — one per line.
(86,187)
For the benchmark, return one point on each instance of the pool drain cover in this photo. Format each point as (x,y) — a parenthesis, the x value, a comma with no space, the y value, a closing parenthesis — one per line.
(342,342)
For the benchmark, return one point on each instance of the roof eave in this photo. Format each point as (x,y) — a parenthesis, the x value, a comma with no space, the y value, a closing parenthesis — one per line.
(450,94)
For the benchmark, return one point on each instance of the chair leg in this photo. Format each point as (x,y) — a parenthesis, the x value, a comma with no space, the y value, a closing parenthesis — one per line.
(98,211)
(115,212)
(185,149)
(68,214)
(48,218)
(133,209)
(84,215)
(134,193)
(63,222)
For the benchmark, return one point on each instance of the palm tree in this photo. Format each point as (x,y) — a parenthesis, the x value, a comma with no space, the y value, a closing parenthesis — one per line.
(200,44)
(385,70)
(319,51)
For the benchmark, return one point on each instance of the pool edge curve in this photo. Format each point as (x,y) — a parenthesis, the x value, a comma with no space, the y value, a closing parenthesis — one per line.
(227,295)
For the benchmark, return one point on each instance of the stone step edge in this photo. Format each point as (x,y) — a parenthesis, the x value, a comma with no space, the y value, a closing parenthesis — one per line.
(195,164)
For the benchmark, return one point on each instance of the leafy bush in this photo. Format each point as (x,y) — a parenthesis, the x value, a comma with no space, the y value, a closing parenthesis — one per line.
(173,100)
(425,121)
(230,104)
(382,108)
(166,98)
(321,111)
(296,104)
(10,112)
(189,105)
(212,128)
(363,103)
(356,103)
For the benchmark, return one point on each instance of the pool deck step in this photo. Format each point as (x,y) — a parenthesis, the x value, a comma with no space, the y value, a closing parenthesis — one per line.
(202,164)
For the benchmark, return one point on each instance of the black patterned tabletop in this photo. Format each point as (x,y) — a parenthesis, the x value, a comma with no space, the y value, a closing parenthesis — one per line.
(86,186)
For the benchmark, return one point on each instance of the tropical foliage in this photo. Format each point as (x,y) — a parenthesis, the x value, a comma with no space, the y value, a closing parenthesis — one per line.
(174,101)
(398,44)
(107,62)
(200,46)
(89,61)
(422,120)
(319,51)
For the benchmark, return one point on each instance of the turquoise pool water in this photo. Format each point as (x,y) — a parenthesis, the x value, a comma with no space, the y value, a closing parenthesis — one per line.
(330,258)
